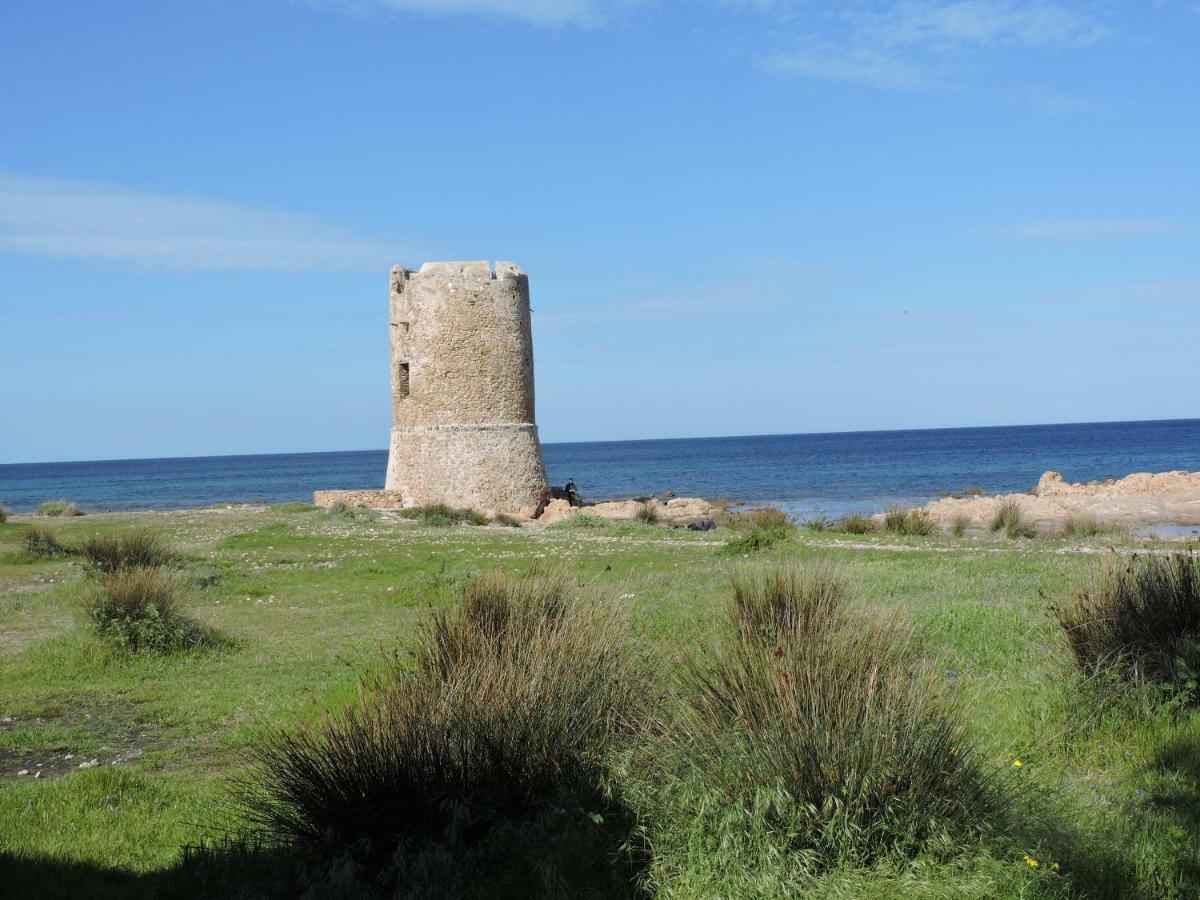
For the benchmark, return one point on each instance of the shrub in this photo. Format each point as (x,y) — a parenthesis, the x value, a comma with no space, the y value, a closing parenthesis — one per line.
(137,608)
(439,515)
(647,513)
(43,543)
(4,514)
(59,508)
(855,523)
(975,492)
(960,525)
(580,520)
(903,520)
(1140,619)
(484,766)
(1010,520)
(110,553)
(507,520)
(758,529)
(827,731)
(818,521)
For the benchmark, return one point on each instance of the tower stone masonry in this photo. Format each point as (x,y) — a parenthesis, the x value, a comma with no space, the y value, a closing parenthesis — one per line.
(463,426)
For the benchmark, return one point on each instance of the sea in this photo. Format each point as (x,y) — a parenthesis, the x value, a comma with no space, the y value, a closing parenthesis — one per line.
(806,474)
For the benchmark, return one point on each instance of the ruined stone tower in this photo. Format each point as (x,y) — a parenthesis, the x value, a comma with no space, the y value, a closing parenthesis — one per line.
(463,429)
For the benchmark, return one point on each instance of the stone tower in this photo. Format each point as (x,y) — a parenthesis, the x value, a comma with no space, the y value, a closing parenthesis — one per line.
(463,429)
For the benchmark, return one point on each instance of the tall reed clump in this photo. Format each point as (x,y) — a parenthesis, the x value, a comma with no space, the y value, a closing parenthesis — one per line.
(109,553)
(757,529)
(822,733)
(138,609)
(4,514)
(1079,525)
(1011,521)
(64,508)
(1138,619)
(855,523)
(41,542)
(647,513)
(903,520)
(484,771)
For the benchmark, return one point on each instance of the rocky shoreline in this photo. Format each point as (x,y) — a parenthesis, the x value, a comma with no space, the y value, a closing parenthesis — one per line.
(1140,499)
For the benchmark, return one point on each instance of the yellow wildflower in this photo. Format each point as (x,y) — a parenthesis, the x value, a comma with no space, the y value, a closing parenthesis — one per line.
(1054,867)
(1017,763)
(1032,863)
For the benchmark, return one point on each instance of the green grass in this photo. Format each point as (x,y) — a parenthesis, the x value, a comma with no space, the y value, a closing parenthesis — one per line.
(314,603)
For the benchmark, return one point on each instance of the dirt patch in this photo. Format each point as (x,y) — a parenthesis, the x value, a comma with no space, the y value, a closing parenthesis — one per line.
(81,738)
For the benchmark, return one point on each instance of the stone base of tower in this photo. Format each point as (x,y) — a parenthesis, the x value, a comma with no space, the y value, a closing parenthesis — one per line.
(490,468)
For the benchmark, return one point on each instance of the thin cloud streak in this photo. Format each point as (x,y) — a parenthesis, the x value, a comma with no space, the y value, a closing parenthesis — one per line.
(917,45)
(61,219)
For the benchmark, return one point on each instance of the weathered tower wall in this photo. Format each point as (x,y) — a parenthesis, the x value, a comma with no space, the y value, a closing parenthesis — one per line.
(463,429)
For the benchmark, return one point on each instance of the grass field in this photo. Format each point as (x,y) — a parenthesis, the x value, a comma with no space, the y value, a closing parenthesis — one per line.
(306,603)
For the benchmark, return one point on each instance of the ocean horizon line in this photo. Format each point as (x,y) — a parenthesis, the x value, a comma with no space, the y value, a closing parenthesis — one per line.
(658,440)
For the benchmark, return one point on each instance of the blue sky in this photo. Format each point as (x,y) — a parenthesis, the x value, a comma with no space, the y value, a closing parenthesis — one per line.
(737,217)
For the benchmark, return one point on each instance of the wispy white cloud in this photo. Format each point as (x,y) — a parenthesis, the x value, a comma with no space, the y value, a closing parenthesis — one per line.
(916,45)
(537,12)
(1091,229)
(88,220)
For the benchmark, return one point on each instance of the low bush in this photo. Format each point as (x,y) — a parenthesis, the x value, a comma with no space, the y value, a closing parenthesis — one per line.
(580,520)
(904,520)
(647,513)
(42,543)
(507,520)
(758,529)
(138,609)
(824,733)
(481,773)
(59,508)
(959,526)
(855,523)
(974,492)
(439,515)
(110,553)
(4,514)
(1140,620)
(1011,521)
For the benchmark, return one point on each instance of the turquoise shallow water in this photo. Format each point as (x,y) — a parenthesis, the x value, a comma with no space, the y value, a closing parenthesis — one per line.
(831,472)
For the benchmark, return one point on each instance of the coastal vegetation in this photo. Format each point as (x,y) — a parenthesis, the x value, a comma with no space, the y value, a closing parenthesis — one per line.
(137,608)
(107,554)
(906,715)
(1011,522)
(758,529)
(439,515)
(59,508)
(1137,622)
(904,520)
(41,542)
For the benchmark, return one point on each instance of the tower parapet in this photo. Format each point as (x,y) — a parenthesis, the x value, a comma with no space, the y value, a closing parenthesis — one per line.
(463,426)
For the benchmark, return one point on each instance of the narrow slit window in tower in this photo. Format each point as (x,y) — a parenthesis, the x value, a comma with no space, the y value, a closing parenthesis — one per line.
(402,380)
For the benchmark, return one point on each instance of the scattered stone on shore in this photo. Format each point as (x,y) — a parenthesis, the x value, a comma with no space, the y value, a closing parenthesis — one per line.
(1142,498)
(675,513)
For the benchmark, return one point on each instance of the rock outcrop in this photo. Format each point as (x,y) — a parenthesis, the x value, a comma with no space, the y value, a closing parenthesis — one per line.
(1142,498)
(677,512)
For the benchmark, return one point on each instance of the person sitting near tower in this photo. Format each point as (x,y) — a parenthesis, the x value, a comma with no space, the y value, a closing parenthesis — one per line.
(573,497)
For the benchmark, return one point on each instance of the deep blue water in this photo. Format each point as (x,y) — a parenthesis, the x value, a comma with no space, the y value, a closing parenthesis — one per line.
(831,472)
